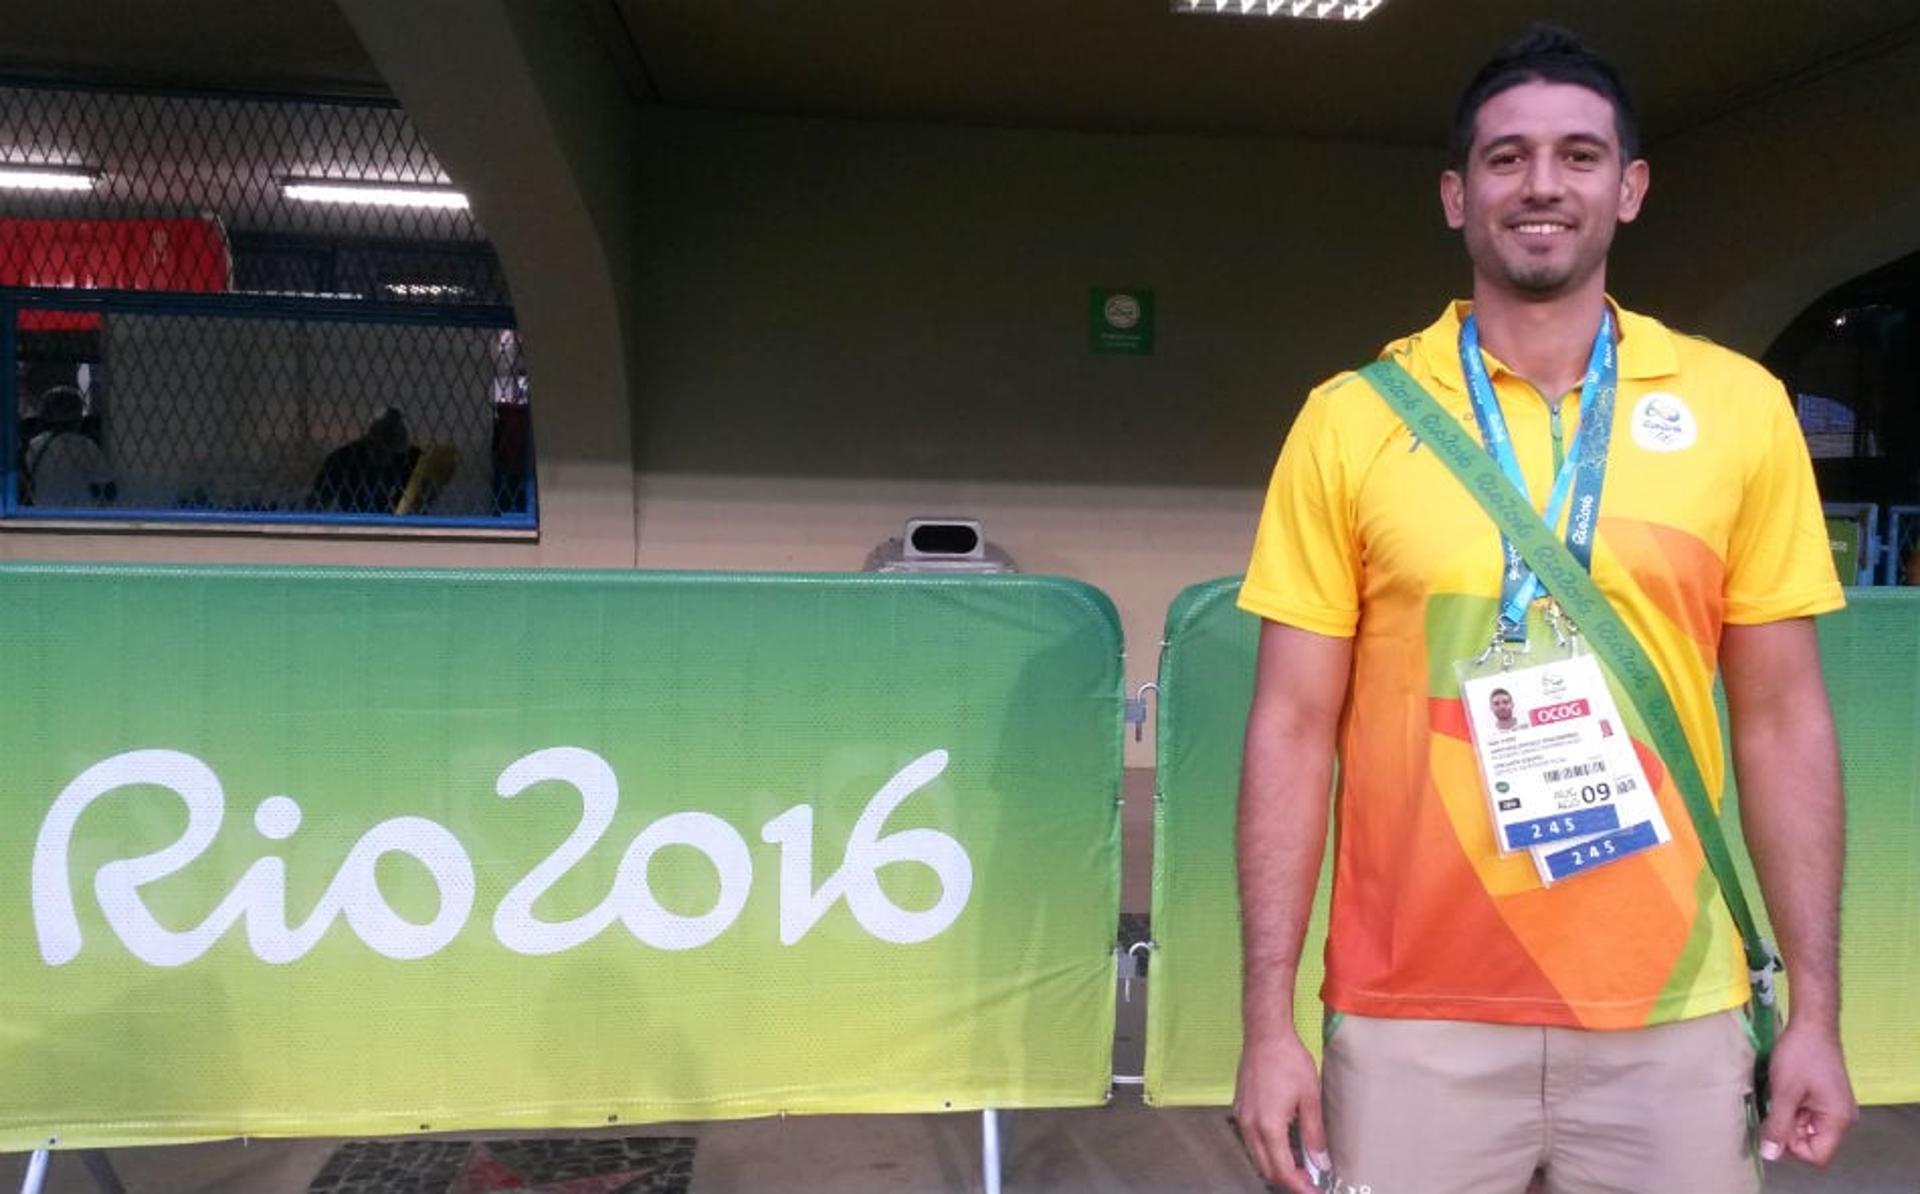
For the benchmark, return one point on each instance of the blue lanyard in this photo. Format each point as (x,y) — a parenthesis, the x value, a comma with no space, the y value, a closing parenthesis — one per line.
(1583,474)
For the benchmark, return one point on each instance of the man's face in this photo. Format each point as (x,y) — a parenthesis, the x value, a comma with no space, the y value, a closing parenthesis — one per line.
(1502,706)
(1543,188)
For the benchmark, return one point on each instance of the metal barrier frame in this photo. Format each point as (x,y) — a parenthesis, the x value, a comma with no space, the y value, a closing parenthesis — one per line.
(1892,563)
(1872,544)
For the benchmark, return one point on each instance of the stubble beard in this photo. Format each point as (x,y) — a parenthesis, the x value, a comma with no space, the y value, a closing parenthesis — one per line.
(1529,279)
(1540,281)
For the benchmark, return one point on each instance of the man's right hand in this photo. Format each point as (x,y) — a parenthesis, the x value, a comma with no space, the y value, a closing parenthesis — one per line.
(1286,774)
(1277,1085)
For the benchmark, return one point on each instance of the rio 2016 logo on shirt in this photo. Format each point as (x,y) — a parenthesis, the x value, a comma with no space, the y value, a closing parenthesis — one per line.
(1663,423)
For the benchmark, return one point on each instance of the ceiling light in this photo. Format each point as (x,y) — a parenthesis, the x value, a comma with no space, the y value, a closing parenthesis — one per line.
(48,178)
(426,290)
(372,194)
(1320,10)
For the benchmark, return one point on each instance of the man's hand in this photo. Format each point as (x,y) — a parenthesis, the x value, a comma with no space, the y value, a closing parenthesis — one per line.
(1277,1085)
(1286,772)
(1812,1100)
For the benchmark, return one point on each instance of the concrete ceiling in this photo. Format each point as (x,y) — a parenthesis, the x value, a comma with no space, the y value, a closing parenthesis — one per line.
(270,45)
(1134,66)
(1111,65)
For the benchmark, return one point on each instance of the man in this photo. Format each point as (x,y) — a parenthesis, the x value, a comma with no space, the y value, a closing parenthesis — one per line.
(63,467)
(1500,701)
(368,475)
(1484,1024)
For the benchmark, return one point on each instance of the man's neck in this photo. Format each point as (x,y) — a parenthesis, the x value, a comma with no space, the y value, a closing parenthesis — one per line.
(1548,341)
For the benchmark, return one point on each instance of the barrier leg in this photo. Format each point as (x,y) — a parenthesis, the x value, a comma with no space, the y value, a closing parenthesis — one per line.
(37,1172)
(101,1168)
(990,1150)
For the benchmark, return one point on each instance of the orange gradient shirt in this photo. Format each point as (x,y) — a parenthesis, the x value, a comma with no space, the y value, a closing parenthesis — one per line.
(1709,516)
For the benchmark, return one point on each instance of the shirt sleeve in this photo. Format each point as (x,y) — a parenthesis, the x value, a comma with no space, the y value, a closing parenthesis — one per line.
(1779,563)
(1305,569)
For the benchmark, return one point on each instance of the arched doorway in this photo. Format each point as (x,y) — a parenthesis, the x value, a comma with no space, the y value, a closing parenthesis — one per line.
(1851,361)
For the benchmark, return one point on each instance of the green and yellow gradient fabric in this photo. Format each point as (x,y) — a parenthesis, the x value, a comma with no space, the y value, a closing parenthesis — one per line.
(1871,653)
(340,852)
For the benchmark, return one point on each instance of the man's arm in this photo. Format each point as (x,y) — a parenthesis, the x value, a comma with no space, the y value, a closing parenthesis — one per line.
(1286,771)
(1788,765)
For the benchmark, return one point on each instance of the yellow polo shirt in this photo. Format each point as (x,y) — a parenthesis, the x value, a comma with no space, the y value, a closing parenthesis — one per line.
(1709,516)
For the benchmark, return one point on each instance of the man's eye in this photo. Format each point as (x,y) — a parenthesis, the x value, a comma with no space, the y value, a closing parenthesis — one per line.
(1502,160)
(1583,157)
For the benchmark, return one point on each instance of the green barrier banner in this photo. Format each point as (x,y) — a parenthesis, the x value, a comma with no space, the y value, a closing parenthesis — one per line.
(1193,1000)
(1871,653)
(335,852)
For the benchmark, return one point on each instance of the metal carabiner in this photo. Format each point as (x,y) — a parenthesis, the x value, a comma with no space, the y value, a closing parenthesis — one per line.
(1562,631)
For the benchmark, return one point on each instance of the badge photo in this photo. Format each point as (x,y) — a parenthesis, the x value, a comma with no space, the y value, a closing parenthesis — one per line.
(1562,784)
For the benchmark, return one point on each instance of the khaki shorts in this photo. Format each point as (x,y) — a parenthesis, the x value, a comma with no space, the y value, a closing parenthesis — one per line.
(1444,1107)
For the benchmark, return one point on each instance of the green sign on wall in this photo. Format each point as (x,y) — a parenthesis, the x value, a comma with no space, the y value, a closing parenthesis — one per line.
(1843,537)
(1120,320)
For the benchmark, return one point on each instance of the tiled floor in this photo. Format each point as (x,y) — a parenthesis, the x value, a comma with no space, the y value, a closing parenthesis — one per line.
(1122,1149)
(603,1164)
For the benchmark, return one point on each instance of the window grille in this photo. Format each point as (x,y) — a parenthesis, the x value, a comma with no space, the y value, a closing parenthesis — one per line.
(193,342)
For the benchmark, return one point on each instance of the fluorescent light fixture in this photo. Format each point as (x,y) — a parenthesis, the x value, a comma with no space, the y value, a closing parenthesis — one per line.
(319,294)
(425,290)
(372,194)
(48,178)
(1316,10)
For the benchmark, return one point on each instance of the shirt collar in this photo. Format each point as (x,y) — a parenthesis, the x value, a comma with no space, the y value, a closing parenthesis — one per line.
(1646,346)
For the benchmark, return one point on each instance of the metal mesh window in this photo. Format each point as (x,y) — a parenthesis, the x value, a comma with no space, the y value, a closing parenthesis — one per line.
(238,308)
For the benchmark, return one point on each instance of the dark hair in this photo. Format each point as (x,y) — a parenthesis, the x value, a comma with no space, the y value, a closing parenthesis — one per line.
(63,406)
(1499,692)
(1544,53)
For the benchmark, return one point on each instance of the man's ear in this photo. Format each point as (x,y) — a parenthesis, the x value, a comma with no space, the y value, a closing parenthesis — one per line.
(1633,189)
(1453,198)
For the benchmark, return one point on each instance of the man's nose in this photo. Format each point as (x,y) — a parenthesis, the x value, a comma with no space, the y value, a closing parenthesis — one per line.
(1544,181)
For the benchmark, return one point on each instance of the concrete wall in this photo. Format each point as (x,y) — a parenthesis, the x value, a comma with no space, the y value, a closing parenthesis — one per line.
(528,114)
(837,299)
(1755,215)
(847,324)
(765,342)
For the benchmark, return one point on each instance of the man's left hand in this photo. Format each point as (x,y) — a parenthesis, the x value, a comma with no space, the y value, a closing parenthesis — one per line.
(1812,1099)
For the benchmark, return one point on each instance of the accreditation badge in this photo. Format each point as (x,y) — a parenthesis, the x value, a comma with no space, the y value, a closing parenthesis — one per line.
(1560,772)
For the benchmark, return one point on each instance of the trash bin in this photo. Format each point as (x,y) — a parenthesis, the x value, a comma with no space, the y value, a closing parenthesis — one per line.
(939,545)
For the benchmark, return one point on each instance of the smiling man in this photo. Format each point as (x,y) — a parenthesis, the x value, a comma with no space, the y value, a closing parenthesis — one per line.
(1491,1015)
(1500,701)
